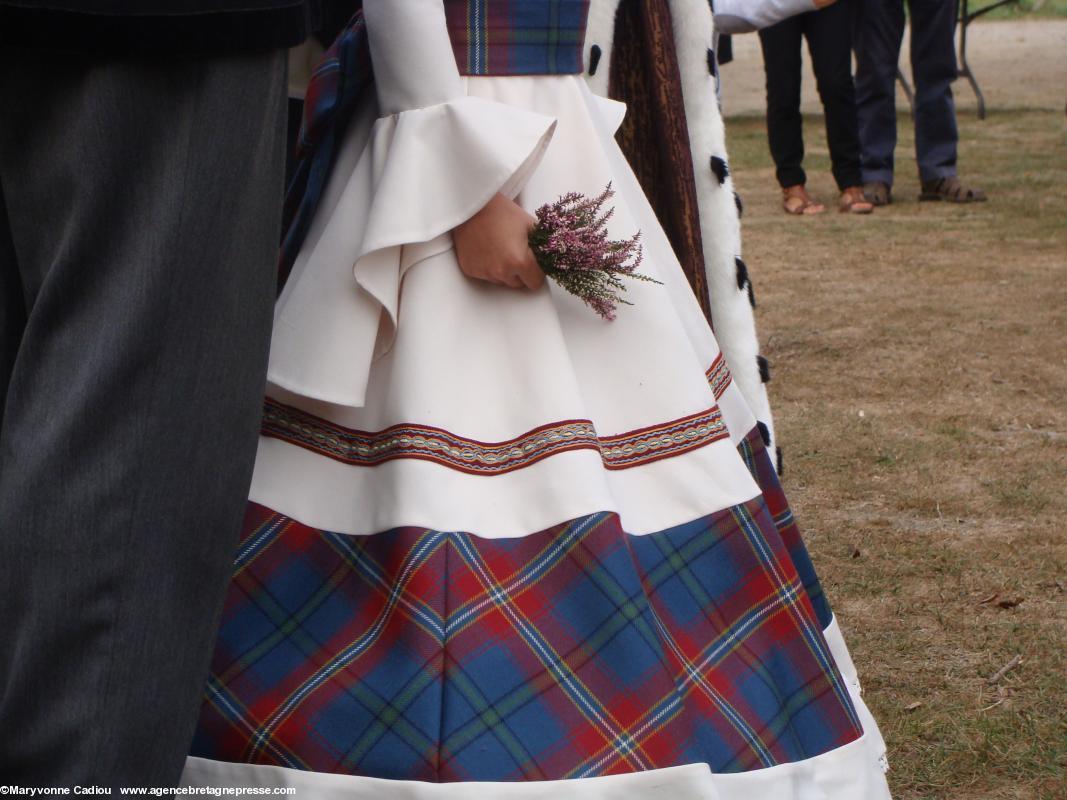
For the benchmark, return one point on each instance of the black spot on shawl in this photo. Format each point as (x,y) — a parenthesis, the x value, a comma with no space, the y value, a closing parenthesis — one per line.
(739,204)
(742,272)
(764,369)
(712,66)
(764,433)
(744,281)
(778,461)
(594,58)
(718,166)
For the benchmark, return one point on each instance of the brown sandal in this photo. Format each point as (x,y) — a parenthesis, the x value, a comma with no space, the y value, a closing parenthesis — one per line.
(852,201)
(797,202)
(951,190)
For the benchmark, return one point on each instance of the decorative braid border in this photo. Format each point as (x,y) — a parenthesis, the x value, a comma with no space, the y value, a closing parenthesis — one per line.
(368,449)
(719,376)
(621,451)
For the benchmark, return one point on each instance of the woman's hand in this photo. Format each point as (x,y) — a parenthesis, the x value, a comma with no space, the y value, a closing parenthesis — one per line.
(492,245)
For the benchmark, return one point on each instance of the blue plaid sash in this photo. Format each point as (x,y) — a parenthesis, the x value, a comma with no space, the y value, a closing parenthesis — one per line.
(337,82)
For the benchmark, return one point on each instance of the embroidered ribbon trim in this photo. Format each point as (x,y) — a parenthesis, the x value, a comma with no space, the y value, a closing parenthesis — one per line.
(370,448)
(718,376)
(621,451)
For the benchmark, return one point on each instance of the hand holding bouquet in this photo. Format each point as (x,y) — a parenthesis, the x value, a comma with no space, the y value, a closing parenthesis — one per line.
(570,242)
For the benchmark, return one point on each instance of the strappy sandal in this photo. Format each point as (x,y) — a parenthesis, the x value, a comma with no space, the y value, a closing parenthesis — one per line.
(951,191)
(877,193)
(797,202)
(852,201)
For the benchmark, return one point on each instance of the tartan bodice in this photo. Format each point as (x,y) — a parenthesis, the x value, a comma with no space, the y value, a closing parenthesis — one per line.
(517,37)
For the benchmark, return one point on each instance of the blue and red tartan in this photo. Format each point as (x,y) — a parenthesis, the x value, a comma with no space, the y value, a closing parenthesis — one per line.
(338,81)
(574,652)
(517,37)
(754,452)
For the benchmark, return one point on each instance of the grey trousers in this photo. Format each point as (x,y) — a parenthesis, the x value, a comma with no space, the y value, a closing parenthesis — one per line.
(139,213)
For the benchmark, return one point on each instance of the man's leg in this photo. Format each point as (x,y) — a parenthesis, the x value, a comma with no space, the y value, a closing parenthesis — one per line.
(879,31)
(785,134)
(933,64)
(829,34)
(12,310)
(143,200)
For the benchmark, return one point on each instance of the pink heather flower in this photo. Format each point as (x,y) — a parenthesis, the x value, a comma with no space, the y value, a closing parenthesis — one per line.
(571,244)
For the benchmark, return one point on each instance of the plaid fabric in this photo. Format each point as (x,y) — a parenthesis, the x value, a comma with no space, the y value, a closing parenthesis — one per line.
(574,652)
(754,452)
(335,86)
(517,37)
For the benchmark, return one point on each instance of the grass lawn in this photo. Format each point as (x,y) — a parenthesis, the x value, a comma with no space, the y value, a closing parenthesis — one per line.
(919,363)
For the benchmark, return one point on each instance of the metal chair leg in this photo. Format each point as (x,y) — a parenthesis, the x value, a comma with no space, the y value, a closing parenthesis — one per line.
(966,18)
(965,68)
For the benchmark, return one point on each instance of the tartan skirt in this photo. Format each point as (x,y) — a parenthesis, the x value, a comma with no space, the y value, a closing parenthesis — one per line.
(575,652)
(499,548)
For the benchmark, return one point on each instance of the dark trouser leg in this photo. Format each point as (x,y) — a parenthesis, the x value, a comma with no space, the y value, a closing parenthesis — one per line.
(785,133)
(295,115)
(143,201)
(879,31)
(829,34)
(933,64)
(12,312)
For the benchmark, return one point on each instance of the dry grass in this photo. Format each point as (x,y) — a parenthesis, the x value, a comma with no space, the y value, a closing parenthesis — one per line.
(920,388)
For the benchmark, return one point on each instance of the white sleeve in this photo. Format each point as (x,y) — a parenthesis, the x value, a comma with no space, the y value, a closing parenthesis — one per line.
(745,16)
(440,155)
(414,66)
(430,160)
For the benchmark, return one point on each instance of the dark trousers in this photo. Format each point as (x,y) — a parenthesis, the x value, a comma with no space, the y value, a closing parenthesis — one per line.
(829,35)
(139,213)
(879,33)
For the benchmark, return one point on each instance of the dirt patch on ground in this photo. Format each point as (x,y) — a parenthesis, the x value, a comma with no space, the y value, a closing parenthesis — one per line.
(919,364)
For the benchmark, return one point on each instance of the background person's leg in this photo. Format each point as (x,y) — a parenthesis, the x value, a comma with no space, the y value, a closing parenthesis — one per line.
(143,201)
(829,34)
(933,65)
(879,31)
(785,134)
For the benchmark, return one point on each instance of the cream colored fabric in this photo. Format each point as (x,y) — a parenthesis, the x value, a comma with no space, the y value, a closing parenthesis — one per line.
(411,341)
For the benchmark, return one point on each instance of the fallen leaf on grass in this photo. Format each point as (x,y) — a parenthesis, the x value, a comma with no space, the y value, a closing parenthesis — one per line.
(989,599)
(1009,603)
(912,706)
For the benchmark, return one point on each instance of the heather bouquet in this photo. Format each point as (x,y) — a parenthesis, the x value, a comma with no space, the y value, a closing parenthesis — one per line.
(570,242)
